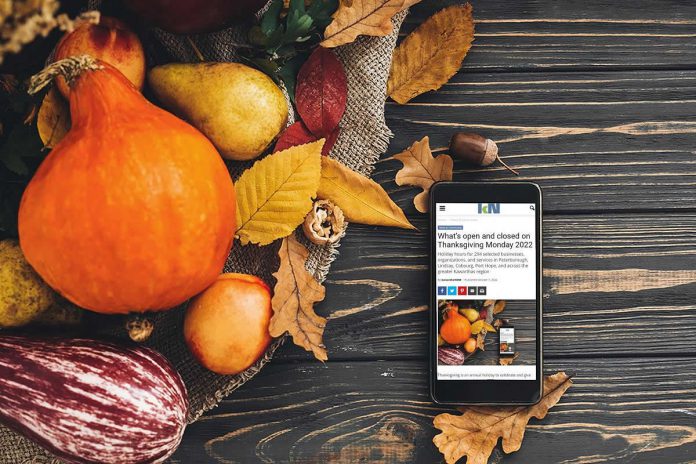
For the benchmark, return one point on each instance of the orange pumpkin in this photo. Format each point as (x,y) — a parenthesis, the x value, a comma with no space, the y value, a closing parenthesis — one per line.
(134,210)
(456,329)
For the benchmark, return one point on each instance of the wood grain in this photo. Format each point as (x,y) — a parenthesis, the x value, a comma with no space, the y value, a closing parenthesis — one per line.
(635,409)
(610,280)
(594,141)
(593,100)
(567,35)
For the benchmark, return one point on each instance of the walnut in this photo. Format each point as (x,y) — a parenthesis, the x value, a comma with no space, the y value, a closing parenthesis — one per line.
(324,223)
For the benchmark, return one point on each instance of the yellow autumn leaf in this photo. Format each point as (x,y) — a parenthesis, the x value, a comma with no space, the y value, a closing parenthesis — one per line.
(431,54)
(275,194)
(53,120)
(362,17)
(360,198)
(477,327)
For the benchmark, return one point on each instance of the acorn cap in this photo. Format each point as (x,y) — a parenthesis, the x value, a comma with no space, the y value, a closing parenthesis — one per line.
(490,153)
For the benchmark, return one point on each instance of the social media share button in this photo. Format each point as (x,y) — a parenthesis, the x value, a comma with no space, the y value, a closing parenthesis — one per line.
(451,290)
(472,291)
(442,290)
(481,290)
(461,290)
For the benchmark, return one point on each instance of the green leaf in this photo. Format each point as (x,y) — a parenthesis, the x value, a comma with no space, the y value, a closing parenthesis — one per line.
(287,41)
(321,11)
(286,51)
(267,66)
(257,37)
(299,25)
(288,73)
(297,5)
(271,18)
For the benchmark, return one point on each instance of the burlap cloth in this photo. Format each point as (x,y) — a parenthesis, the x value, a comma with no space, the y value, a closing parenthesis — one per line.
(364,137)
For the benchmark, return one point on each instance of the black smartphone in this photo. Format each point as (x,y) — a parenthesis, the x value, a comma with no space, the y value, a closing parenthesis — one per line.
(506,341)
(486,315)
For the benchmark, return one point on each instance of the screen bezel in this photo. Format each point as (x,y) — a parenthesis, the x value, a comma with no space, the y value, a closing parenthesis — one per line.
(462,392)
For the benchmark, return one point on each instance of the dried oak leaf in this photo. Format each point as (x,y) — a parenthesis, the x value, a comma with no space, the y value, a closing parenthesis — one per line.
(294,296)
(298,134)
(360,198)
(275,194)
(53,120)
(321,92)
(362,17)
(431,54)
(499,307)
(422,170)
(476,431)
(481,340)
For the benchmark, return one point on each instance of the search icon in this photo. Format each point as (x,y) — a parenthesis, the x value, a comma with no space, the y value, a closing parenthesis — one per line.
(531,207)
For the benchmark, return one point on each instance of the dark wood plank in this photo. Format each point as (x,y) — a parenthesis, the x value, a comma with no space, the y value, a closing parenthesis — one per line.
(565,34)
(614,284)
(593,141)
(634,409)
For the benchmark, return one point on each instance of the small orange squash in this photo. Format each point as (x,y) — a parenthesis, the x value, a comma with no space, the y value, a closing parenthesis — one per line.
(134,210)
(456,329)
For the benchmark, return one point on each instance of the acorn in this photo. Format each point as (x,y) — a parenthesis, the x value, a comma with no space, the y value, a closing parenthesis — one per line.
(476,149)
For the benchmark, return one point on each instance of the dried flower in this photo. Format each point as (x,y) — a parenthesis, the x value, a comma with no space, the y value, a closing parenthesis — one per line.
(22,21)
(324,223)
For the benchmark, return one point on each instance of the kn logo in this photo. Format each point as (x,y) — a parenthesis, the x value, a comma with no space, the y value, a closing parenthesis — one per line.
(489,208)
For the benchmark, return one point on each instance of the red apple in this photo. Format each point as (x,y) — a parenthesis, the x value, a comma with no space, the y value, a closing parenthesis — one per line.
(187,17)
(226,326)
(110,41)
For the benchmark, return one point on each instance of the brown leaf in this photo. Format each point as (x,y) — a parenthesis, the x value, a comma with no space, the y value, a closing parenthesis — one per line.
(360,198)
(476,431)
(481,341)
(422,170)
(362,17)
(294,296)
(508,360)
(499,307)
(431,54)
(53,121)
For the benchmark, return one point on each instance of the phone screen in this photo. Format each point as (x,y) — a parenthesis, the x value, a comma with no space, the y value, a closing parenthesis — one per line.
(486,282)
(507,341)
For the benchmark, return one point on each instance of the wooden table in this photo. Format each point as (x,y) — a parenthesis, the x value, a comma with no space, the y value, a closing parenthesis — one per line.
(595,101)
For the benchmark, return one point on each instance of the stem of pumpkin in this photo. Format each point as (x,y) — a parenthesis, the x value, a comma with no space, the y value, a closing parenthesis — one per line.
(69,68)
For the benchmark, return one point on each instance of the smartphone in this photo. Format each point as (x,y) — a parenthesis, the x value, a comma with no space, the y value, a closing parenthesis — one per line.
(506,341)
(486,277)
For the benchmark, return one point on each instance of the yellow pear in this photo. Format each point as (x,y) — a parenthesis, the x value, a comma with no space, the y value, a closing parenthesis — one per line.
(240,109)
(23,295)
